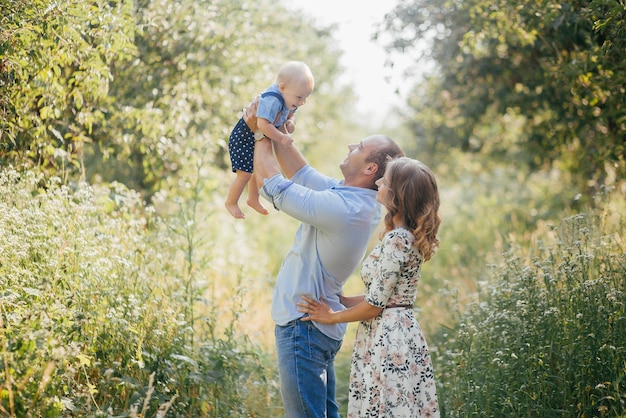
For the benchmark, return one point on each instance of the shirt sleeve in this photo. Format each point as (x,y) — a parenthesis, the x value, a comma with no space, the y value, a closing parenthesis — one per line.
(269,107)
(313,179)
(324,209)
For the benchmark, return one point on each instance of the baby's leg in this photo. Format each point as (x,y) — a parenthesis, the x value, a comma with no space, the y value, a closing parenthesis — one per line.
(234,193)
(253,196)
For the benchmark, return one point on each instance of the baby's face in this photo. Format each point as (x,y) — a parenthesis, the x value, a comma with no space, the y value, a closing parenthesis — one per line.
(296,93)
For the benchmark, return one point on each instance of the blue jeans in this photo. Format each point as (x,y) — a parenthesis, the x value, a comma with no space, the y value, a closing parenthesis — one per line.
(306,365)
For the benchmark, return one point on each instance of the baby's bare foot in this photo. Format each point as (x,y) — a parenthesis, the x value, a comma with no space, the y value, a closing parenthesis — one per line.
(234,210)
(256,205)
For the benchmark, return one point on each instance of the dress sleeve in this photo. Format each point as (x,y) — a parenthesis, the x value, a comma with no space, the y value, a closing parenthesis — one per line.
(393,257)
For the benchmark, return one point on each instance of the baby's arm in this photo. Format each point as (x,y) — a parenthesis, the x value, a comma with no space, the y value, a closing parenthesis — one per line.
(270,131)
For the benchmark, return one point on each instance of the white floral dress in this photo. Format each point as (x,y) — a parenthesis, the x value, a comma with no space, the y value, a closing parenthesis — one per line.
(392,373)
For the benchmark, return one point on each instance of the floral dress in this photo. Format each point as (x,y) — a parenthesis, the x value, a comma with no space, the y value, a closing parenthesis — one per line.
(392,373)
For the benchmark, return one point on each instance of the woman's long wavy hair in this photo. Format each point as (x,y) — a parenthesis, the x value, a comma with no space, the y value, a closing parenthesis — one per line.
(412,191)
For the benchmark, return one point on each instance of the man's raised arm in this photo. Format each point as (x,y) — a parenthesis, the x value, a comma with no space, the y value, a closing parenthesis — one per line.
(289,158)
(265,165)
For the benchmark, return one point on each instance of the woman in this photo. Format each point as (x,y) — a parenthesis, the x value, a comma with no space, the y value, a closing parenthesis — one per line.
(392,373)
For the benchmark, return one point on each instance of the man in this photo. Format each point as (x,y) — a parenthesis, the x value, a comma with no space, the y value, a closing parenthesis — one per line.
(338,218)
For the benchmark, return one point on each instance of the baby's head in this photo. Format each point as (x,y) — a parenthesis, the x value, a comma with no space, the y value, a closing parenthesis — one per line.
(295,82)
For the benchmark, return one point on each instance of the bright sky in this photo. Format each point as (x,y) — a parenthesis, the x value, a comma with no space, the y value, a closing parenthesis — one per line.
(363,59)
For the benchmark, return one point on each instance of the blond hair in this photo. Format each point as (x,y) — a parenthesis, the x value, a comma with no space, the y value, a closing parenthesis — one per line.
(295,71)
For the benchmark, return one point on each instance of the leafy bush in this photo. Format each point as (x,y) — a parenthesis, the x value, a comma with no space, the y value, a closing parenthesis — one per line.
(546,338)
(97,315)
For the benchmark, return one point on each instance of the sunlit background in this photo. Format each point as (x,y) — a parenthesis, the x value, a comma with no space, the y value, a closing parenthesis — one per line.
(368,67)
(127,289)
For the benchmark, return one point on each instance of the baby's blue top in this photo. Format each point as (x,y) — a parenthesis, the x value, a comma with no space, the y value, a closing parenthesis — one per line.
(270,106)
(337,223)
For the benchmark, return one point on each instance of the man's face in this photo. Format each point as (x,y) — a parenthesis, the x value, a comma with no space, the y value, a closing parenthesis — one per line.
(356,162)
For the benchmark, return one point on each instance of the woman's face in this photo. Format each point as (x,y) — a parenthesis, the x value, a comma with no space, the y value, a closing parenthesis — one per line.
(383,188)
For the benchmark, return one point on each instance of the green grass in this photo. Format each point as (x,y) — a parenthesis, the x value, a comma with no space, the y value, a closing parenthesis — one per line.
(109,307)
(546,337)
(103,313)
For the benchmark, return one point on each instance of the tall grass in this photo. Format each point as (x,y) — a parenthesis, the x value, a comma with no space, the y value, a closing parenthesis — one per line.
(108,309)
(99,316)
(546,338)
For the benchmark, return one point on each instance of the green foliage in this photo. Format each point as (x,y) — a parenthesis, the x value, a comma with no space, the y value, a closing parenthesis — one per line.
(122,91)
(112,308)
(545,338)
(55,61)
(96,318)
(485,206)
(550,68)
(146,93)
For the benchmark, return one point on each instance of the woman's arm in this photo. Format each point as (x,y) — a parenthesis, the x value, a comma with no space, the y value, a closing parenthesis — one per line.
(350,301)
(321,312)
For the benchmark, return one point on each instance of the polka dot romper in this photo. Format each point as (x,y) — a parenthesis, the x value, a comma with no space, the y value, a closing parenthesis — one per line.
(241,147)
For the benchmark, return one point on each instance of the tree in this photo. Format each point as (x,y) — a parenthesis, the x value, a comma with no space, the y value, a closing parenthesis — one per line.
(134,91)
(198,63)
(555,69)
(56,69)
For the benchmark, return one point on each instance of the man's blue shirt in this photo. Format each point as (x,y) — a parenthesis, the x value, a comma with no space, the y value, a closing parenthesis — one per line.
(337,223)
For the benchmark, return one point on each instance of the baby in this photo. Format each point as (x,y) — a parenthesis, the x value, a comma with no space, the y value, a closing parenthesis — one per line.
(276,121)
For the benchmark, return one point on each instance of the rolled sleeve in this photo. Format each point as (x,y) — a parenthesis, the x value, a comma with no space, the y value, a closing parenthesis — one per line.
(273,189)
(324,209)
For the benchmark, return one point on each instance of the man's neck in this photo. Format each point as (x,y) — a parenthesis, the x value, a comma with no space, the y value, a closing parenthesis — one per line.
(362,183)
